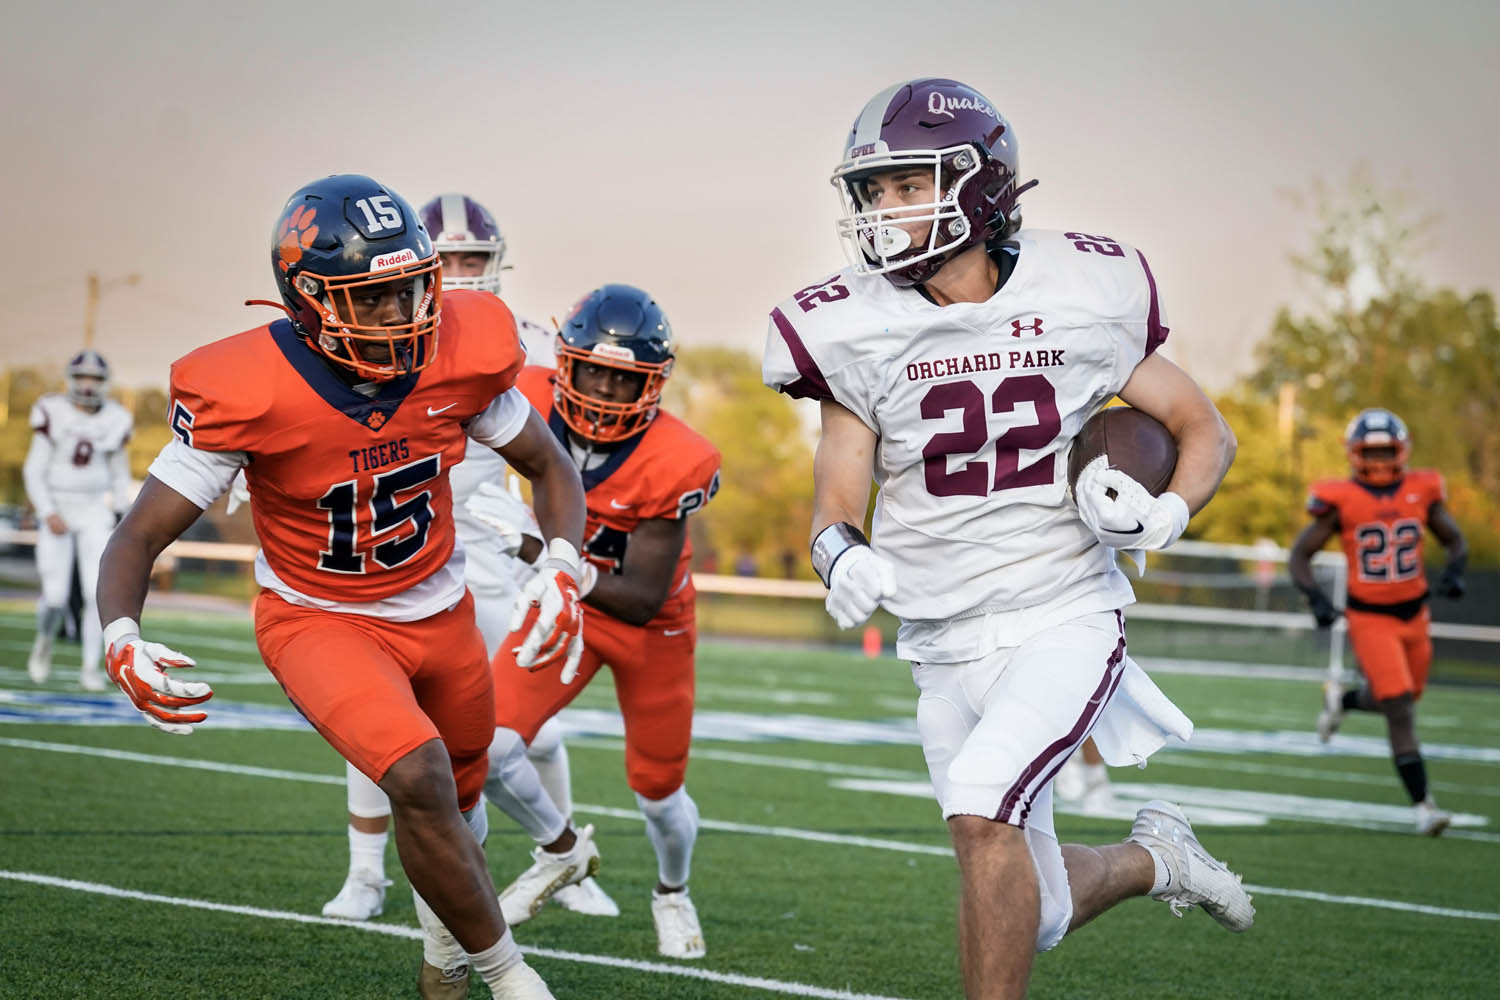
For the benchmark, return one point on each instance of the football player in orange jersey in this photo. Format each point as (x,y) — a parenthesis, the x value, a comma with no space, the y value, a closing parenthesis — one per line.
(1378,514)
(347,417)
(645,471)
(472,249)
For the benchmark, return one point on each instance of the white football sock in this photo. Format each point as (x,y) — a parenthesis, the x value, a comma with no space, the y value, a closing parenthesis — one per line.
(672,825)
(514,786)
(367,851)
(439,949)
(497,959)
(550,757)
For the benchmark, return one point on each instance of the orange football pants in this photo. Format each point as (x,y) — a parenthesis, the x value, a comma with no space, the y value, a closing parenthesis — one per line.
(1394,655)
(653,672)
(376,690)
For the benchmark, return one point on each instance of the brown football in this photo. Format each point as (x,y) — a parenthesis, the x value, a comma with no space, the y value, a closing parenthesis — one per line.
(1135,442)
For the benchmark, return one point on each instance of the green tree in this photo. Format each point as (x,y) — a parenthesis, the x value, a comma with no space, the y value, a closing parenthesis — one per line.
(764,504)
(1377,336)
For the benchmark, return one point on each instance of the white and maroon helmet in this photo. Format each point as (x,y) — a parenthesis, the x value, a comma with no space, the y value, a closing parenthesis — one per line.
(952,129)
(88,379)
(459,224)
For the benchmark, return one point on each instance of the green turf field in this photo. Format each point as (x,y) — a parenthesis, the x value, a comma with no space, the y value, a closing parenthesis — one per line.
(135,865)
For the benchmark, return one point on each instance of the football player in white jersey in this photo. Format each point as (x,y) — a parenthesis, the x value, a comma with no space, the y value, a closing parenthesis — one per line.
(954,361)
(77,477)
(472,248)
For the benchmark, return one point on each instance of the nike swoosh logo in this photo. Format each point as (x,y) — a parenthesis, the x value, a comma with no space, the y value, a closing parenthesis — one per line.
(1133,531)
(620,506)
(673,631)
(432,413)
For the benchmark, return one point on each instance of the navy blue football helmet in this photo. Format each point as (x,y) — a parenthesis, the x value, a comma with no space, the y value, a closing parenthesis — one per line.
(335,241)
(1378,447)
(621,327)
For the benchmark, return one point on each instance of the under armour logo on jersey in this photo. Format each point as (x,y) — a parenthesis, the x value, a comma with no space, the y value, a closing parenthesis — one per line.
(1034,327)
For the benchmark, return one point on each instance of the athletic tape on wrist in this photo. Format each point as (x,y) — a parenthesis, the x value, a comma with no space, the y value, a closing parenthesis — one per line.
(832,542)
(119,629)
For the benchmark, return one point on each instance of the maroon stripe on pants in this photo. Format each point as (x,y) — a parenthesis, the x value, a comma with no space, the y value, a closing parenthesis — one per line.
(1091,712)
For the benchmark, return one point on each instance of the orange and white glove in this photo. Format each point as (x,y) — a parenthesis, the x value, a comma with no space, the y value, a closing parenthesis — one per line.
(546,624)
(139,669)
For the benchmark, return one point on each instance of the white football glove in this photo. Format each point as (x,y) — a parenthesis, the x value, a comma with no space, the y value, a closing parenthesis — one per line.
(1132,518)
(504,513)
(546,624)
(139,669)
(859,581)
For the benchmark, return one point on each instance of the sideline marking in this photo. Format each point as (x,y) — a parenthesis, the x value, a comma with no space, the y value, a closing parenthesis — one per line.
(415,934)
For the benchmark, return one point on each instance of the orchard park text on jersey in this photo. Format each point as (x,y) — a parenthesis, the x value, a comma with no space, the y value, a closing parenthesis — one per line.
(989,361)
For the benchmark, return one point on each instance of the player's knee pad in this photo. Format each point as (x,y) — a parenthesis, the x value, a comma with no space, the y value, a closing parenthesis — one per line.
(478,819)
(366,800)
(548,740)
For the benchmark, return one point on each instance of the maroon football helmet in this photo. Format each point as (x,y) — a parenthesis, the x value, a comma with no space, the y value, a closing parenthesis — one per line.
(459,224)
(956,132)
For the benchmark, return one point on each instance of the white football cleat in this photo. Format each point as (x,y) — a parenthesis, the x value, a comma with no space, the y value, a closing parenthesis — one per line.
(92,680)
(520,982)
(1195,877)
(39,663)
(587,897)
(1428,819)
(1099,797)
(362,897)
(678,933)
(1069,784)
(443,984)
(1333,711)
(525,897)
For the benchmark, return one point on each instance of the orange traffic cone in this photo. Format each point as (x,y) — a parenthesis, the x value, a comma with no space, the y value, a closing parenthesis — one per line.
(872,641)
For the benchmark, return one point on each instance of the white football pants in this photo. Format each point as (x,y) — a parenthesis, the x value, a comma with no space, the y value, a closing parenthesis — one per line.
(88,532)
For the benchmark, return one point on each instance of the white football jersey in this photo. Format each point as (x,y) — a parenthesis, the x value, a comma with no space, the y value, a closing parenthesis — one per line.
(976,405)
(486,569)
(83,454)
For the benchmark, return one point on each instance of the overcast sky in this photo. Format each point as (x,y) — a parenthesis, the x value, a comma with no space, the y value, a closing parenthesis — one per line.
(686,147)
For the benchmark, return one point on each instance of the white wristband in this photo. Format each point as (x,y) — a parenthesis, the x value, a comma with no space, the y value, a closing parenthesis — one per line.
(121,628)
(562,555)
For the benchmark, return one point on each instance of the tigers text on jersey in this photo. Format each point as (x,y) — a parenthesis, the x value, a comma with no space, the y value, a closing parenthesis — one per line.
(81,444)
(349,494)
(1381,532)
(975,405)
(666,471)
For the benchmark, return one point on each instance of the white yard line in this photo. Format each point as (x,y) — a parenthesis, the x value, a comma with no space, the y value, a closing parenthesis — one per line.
(415,934)
(815,836)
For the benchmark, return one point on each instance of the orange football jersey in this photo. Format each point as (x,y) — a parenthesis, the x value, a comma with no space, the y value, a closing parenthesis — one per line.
(1381,532)
(668,470)
(349,493)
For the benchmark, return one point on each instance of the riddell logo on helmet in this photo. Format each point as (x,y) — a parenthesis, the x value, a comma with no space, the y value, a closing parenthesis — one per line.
(614,351)
(385,260)
(941,104)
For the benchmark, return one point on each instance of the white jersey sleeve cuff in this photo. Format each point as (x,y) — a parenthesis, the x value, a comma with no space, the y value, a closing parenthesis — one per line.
(200,476)
(502,420)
